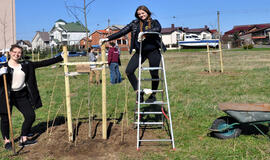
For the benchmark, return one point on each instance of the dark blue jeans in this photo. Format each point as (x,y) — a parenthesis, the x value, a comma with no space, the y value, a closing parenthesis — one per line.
(115,73)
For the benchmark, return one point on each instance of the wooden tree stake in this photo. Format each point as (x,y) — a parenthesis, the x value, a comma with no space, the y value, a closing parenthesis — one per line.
(104,112)
(33,58)
(220,56)
(69,118)
(208,56)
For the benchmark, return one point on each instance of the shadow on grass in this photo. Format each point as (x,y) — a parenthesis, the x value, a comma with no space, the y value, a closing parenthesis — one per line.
(249,129)
(41,127)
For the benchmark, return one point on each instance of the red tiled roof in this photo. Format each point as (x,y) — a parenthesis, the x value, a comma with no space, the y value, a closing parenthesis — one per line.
(213,31)
(102,31)
(195,30)
(170,30)
(246,28)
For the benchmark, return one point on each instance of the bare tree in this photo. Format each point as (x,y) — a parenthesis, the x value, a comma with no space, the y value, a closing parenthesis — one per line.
(72,9)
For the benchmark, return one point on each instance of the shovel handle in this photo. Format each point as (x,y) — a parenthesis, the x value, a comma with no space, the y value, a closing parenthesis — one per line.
(9,114)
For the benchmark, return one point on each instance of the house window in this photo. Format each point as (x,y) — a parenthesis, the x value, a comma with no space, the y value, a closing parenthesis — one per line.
(204,36)
(124,42)
(118,41)
(177,37)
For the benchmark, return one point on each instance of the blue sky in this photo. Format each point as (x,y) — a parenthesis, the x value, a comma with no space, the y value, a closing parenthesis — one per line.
(38,15)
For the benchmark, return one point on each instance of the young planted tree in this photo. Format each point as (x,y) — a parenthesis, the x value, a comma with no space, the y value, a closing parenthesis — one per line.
(76,12)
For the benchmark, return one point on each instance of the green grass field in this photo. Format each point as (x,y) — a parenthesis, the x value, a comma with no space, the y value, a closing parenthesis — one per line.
(194,96)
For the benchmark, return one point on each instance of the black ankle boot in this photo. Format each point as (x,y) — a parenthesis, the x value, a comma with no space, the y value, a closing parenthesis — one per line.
(141,97)
(152,98)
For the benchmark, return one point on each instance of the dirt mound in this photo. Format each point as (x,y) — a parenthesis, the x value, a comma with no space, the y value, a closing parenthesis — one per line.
(57,146)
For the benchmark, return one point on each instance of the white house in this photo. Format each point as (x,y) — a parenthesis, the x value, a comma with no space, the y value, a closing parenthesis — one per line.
(41,40)
(66,33)
(25,44)
(202,33)
(171,36)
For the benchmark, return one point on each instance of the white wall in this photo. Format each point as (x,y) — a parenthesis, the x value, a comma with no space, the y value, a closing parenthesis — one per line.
(37,41)
(75,37)
(70,37)
(205,35)
(8,24)
(169,39)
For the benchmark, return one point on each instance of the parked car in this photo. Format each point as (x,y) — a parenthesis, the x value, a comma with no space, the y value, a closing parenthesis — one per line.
(76,54)
(73,54)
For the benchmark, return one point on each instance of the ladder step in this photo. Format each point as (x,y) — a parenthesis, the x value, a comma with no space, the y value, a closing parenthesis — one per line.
(151,68)
(150,79)
(155,90)
(149,113)
(155,140)
(149,122)
(156,102)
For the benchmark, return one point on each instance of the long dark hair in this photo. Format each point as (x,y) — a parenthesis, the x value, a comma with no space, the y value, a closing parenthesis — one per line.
(144,8)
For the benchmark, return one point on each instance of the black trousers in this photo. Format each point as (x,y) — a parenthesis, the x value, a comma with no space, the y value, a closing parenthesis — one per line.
(20,100)
(153,57)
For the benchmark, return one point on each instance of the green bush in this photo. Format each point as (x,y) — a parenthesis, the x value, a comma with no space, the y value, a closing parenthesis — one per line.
(248,46)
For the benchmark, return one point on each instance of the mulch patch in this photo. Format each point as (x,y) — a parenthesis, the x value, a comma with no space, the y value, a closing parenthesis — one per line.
(57,146)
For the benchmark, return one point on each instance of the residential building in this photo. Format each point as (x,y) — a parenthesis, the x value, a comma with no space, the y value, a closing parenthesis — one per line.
(259,36)
(8,24)
(215,34)
(66,33)
(248,34)
(122,42)
(41,40)
(171,36)
(83,42)
(25,44)
(202,33)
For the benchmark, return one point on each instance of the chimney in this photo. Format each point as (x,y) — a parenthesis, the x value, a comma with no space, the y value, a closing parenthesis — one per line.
(205,26)
(172,26)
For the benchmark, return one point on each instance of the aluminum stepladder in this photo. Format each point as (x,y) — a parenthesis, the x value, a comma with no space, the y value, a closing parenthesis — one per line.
(162,103)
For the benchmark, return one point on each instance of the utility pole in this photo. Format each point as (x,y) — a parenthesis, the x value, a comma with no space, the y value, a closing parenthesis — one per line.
(109,23)
(219,35)
(109,30)
(86,28)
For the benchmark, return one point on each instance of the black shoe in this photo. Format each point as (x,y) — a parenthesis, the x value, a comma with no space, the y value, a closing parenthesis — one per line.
(141,97)
(27,143)
(152,98)
(8,146)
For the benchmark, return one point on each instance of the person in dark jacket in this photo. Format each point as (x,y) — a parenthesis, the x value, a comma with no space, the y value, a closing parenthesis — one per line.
(2,57)
(22,92)
(113,61)
(150,47)
(93,67)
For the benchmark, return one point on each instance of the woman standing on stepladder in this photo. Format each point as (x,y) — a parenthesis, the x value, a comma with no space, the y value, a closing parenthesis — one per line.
(22,92)
(150,47)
